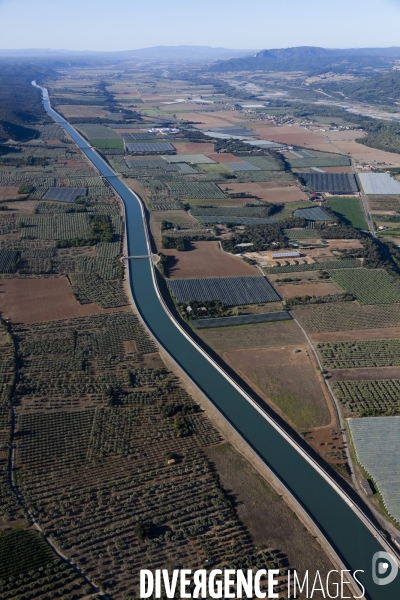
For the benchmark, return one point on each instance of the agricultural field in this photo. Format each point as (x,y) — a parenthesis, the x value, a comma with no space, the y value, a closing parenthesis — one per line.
(350,355)
(29,569)
(350,210)
(380,184)
(195,190)
(376,444)
(270,191)
(108,143)
(287,379)
(206,259)
(90,429)
(64,194)
(316,159)
(368,397)
(231,291)
(368,286)
(346,316)
(335,183)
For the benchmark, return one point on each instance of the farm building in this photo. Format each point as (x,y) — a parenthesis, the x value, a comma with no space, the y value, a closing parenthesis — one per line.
(278,255)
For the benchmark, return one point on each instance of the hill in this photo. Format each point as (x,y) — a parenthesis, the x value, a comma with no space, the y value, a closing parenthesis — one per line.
(311,59)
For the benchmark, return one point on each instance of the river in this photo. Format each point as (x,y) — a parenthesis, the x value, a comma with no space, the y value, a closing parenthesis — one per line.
(342,523)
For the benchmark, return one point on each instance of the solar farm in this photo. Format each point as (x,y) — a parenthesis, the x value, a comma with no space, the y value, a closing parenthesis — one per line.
(150,147)
(231,291)
(376,441)
(64,194)
(334,183)
(379,184)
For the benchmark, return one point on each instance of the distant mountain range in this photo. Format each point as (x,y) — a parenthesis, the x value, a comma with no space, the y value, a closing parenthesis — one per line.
(311,58)
(160,53)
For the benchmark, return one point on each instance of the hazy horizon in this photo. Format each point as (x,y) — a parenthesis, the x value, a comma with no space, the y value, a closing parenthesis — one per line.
(95,25)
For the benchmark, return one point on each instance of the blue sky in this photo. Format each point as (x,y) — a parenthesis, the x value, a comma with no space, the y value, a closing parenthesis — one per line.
(255,24)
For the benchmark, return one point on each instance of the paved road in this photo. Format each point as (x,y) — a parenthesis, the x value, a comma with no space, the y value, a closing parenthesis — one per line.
(343,519)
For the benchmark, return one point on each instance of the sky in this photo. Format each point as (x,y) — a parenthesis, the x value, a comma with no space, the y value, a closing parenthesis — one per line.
(256,24)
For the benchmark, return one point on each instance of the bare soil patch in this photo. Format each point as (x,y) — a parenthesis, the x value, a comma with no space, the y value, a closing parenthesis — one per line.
(70,110)
(24,206)
(386,333)
(224,157)
(206,260)
(194,148)
(338,169)
(316,288)
(345,135)
(294,136)
(9,192)
(270,521)
(326,441)
(269,191)
(365,373)
(287,379)
(42,299)
(368,155)
(215,119)
(260,335)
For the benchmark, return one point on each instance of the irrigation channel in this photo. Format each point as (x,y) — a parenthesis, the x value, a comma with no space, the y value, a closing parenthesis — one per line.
(349,530)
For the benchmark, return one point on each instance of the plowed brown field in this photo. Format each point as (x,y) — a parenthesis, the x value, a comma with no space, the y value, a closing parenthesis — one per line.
(206,260)
(8,192)
(44,299)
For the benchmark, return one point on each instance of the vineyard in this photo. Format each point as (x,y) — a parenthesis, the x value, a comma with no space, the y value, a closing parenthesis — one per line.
(371,353)
(368,286)
(347,316)
(240,211)
(302,234)
(369,397)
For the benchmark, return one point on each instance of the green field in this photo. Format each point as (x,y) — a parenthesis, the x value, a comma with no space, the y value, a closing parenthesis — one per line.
(108,144)
(350,210)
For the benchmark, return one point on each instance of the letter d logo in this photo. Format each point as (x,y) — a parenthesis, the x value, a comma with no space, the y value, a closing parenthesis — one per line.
(384,568)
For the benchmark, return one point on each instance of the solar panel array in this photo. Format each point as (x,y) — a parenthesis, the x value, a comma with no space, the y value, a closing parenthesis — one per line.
(231,291)
(379,184)
(336,183)
(312,214)
(150,147)
(280,315)
(64,194)
(377,444)
(241,166)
